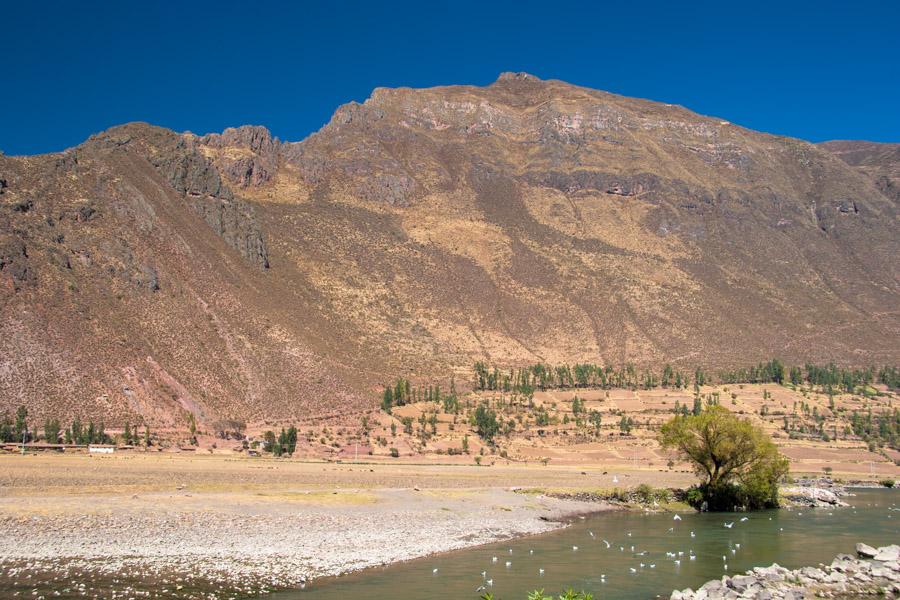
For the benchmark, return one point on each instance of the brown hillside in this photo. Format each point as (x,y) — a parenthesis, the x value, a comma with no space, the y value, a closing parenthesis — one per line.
(148,273)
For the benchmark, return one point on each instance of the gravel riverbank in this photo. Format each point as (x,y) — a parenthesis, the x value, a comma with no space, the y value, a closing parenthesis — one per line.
(226,543)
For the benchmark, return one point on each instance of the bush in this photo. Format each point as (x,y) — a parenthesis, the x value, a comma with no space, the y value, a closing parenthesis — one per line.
(395,453)
(888,483)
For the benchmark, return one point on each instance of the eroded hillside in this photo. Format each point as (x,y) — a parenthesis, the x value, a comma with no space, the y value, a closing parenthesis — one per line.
(149,274)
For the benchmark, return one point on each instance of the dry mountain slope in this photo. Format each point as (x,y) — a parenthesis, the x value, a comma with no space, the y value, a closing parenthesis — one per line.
(148,273)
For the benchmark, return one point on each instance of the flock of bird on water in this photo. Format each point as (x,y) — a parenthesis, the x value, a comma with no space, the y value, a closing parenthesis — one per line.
(676,557)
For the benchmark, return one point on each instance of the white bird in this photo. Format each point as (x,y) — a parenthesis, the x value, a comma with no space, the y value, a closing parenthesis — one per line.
(680,553)
(621,549)
(670,554)
(615,479)
(510,550)
(591,533)
(607,543)
(693,557)
(726,567)
(494,559)
(632,569)
(508,564)
(434,570)
(653,566)
(629,534)
(676,518)
(729,525)
(490,582)
(642,565)
(671,529)
(744,519)
(574,548)
(480,588)
(738,546)
(693,535)
(531,552)
(677,562)
(733,551)
(483,574)
(724,558)
(540,571)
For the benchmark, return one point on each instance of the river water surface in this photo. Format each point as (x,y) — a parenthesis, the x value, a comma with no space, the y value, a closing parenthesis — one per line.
(638,562)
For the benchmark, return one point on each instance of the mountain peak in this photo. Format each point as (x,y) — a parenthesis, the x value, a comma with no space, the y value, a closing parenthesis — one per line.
(517,76)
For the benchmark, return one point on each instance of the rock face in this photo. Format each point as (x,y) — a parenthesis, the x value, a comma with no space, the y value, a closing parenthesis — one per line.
(179,160)
(248,155)
(232,275)
(845,577)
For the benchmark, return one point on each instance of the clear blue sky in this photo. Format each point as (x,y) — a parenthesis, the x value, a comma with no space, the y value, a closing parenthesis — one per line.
(815,70)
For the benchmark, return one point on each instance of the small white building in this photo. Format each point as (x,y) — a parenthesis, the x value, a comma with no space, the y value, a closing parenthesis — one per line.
(96,449)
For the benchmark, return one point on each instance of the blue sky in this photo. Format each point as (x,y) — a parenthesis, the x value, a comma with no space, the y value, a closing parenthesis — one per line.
(815,70)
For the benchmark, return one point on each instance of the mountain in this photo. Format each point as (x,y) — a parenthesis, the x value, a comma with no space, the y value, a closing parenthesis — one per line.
(879,162)
(148,274)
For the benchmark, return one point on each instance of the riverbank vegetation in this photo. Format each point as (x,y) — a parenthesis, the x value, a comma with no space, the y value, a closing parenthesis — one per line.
(738,463)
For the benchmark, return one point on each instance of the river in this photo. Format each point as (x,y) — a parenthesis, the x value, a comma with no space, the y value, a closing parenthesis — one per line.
(639,561)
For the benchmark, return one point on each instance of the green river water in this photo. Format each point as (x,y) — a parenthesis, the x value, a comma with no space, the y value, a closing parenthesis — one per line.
(792,538)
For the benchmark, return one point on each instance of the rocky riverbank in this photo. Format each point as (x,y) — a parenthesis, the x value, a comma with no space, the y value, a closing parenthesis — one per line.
(203,545)
(875,573)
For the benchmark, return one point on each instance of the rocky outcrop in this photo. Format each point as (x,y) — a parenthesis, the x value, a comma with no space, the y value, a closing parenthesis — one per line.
(236,223)
(194,175)
(877,574)
(248,154)
(180,161)
(15,270)
(813,497)
(189,171)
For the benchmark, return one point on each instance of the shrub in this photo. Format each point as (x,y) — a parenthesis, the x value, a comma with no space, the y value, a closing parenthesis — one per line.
(395,453)
(888,483)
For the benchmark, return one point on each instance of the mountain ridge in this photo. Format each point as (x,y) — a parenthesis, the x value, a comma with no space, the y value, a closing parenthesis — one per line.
(148,273)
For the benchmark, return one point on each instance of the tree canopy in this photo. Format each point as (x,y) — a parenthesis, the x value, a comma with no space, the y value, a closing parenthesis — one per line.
(737,461)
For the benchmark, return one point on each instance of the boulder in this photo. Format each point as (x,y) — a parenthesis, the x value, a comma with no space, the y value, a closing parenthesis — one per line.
(887,553)
(866,551)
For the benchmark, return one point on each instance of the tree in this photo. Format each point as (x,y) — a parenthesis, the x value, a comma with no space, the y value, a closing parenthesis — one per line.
(486,422)
(21,424)
(269,441)
(387,400)
(51,431)
(192,425)
(737,462)
(6,429)
(596,419)
(77,432)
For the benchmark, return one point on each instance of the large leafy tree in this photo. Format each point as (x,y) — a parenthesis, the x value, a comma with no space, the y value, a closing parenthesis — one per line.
(737,461)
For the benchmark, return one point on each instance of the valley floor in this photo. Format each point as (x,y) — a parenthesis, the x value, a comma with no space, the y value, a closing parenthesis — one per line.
(202,522)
